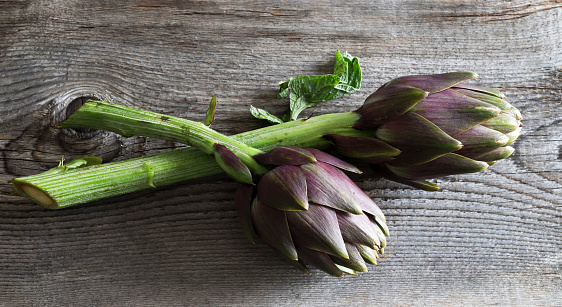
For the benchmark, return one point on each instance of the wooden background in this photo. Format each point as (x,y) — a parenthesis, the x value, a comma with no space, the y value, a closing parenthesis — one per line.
(492,238)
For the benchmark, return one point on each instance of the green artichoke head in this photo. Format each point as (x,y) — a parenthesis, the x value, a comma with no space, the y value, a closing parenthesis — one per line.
(309,211)
(428,126)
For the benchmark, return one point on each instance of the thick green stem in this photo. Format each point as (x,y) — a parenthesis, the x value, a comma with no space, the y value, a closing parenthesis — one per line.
(128,121)
(61,188)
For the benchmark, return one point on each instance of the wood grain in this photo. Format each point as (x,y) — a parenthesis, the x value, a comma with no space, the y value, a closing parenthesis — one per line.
(486,239)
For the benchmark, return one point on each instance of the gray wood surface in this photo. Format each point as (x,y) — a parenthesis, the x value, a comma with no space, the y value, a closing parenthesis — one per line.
(492,238)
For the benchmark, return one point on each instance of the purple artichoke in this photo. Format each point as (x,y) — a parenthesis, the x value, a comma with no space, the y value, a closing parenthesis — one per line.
(428,126)
(308,210)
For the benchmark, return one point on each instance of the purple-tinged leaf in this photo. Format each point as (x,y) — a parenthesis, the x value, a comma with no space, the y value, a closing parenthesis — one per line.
(496,154)
(318,229)
(327,158)
(368,254)
(232,165)
(479,140)
(358,228)
(285,155)
(435,83)
(454,113)
(419,139)
(480,89)
(448,164)
(484,97)
(345,196)
(362,148)
(354,262)
(382,237)
(425,185)
(272,227)
(320,260)
(327,186)
(284,188)
(380,224)
(387,103)
(504,123)
(243,202)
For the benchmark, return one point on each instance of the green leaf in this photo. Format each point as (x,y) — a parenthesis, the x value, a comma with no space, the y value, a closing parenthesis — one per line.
(211,111)
(263,114)
(307,91)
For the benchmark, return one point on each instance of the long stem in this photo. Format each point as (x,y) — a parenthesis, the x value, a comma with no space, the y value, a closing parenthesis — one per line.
(63,188)
(128,121)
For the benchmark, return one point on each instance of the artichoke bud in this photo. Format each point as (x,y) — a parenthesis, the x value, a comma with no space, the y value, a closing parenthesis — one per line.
(232,165)
(310,212)
(452,128)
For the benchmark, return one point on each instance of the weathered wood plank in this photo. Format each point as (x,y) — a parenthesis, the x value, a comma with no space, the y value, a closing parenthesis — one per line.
(489,238)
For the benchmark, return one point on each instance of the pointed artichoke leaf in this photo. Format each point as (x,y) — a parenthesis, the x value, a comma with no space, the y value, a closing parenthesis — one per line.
(504,123)
(272,227)
(285,155)
(317,229)
(453,112)
(348,189)
(368,254)
(484,97)
(284,188)
(419,139)
(329,159)
(354,262)
(448,164)
(320,260)
(480,89)
(479,140)
(232,165)
(362,148)
(515,113)
(346,270)
(381,225)
(386,104)
(513,135)
(327,185)
(496,154)
(358,228)
(418,184)
(243,203)
(435,83)
(382,238)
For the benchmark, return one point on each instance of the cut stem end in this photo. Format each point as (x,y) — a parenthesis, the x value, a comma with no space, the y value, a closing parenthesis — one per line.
(37,195)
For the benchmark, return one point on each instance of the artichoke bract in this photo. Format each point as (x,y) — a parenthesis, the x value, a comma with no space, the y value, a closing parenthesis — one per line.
(308,210)
(428,126)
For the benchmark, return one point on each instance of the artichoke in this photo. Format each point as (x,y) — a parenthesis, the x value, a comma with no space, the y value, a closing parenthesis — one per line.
(426,126)
(308,210)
